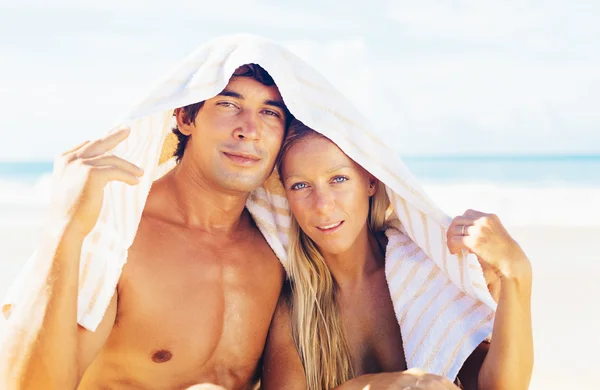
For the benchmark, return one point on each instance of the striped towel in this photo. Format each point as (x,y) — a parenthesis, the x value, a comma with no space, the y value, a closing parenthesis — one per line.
(441,301)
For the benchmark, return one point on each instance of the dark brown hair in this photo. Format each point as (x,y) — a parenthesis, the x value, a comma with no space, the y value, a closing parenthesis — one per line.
(191,111)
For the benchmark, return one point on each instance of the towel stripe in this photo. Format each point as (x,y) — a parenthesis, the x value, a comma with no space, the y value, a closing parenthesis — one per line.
(460,344)
(417,264)
(424,309)
(426,233)
(424,287)
(435,320)
(447,331)
(444,250)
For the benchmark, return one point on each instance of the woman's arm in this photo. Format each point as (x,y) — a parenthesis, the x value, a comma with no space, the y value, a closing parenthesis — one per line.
(508,363)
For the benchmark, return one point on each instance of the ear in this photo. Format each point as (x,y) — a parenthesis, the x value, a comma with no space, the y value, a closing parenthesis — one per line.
(182,122)
(372,185)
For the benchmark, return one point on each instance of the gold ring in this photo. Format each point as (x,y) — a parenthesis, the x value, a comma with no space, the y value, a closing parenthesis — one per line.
(464,228)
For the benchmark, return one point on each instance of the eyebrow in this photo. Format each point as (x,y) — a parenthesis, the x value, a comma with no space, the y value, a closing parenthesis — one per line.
(329,171)
(338,167)
(275,103)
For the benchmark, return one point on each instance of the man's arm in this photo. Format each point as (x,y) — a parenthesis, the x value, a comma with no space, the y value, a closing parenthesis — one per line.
(42,346)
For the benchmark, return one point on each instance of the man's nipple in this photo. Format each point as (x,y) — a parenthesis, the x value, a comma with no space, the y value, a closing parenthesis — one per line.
(161,356)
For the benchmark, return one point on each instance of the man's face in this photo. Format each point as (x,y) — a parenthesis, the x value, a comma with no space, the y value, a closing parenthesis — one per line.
(237,135)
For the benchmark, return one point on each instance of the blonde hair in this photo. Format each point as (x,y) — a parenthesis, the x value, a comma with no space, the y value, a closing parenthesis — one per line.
(317,328)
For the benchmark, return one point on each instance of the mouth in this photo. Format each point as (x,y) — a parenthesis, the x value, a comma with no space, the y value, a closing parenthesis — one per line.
(330,228)
(240,158)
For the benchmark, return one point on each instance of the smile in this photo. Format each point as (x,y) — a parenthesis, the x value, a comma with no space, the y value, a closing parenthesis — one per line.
(331,228)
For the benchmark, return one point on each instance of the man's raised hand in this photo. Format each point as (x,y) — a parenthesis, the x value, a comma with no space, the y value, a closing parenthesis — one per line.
(80,176)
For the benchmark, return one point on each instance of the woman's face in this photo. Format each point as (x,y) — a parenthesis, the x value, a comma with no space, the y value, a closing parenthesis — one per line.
(327,191)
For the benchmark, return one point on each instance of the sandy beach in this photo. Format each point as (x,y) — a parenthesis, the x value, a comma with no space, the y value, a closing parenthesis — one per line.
(566,313)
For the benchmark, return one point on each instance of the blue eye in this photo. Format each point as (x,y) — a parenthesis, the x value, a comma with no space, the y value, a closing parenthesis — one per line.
(298,186)
(339,179)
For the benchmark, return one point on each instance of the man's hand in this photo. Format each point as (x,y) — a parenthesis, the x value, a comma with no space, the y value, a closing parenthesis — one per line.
(80,177)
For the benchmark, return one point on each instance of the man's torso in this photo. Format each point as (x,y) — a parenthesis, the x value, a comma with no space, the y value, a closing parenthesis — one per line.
(192,308)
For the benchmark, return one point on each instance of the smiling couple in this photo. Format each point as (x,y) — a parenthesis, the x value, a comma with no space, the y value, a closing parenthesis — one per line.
(282,244)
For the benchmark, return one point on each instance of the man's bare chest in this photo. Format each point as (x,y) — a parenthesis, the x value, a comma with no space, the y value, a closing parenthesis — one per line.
(200,318)
(196,306)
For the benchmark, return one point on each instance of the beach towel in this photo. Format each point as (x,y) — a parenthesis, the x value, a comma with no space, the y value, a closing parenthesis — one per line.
(441,300)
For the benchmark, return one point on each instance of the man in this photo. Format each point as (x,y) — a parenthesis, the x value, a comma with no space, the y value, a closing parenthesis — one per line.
(196,296)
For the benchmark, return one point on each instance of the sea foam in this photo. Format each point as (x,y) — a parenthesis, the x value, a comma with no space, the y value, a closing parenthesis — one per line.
(25,202)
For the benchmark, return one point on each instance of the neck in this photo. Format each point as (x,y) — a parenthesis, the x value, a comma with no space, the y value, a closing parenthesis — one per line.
(358,262)
(198,204)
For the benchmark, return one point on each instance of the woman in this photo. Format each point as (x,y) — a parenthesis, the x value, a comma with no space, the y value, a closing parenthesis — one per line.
(336,328)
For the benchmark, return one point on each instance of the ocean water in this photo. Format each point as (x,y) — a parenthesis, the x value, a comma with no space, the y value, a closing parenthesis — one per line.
(522,190)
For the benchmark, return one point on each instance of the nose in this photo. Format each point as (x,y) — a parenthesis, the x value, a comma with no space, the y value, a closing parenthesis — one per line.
(248,127)
(324,200)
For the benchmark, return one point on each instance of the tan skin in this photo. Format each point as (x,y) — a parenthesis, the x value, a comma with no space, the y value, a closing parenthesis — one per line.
(192,306)
(325,187)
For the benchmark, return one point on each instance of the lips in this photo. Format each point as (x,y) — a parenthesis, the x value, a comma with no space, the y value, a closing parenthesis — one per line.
(241,158)
(330,227)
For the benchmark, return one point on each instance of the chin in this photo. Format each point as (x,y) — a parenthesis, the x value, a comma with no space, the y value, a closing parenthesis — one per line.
(240,182)
(333,248)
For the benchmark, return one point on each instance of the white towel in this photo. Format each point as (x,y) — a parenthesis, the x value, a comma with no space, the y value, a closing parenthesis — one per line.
(441,301)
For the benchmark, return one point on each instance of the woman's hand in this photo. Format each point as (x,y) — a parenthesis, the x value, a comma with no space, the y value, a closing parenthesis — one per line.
(499,254)
(507,270)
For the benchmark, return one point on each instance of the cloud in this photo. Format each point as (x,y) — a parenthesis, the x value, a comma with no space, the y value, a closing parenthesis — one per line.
(543,25)
(182,13)
(344,63)
(461,76)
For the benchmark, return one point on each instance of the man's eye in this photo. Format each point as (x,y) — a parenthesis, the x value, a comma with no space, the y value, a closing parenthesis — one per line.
(226,105)
(339,179)
(272,113)
(298,186)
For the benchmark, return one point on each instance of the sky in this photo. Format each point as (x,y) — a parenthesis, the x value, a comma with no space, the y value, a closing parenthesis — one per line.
(434,77)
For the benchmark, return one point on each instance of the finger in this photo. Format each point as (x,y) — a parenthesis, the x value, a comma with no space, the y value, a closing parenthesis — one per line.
(458,243)
(110,173)
(473,214)
(456,227)
(76,148)
(105,144)
(459,230)
(115,162)
(463,221)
